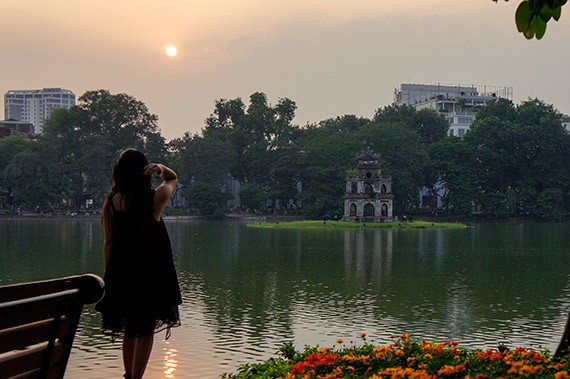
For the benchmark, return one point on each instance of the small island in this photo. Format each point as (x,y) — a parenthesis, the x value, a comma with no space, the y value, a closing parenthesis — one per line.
(331,224)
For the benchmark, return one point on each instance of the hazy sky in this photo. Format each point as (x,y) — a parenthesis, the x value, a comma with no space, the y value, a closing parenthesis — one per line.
(331,57)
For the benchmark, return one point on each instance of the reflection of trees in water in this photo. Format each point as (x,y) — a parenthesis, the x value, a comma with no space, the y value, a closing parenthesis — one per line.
(255,281)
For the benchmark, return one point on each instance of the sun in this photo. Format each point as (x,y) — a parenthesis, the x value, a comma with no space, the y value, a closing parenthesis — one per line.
(171,50)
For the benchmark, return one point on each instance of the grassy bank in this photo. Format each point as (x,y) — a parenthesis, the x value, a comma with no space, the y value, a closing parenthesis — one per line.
(319,224)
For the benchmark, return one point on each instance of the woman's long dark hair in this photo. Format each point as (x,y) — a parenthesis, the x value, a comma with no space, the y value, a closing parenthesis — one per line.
(134,186)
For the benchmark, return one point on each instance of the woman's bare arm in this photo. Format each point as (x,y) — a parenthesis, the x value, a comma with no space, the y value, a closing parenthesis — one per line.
(164,191)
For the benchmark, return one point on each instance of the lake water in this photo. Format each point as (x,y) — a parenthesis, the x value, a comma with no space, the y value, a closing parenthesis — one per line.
(246,291)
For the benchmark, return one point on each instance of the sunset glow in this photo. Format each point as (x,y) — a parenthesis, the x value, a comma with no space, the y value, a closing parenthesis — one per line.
(171,51)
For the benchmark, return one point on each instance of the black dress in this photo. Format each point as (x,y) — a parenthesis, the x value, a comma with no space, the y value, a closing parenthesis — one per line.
(141,287)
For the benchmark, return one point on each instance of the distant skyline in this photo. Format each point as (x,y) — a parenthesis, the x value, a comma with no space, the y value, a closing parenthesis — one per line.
(330,57)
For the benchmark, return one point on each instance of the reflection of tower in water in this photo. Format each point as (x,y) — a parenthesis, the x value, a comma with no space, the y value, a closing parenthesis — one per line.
(368,255)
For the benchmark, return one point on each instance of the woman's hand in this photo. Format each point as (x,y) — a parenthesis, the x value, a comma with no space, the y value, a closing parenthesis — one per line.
(153,168)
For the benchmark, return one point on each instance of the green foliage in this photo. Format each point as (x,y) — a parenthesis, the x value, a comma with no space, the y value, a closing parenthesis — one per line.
(549,206)
(430,126)
(252,197)
(208,199)
(453,163)
(532,16)
(40,178)
(327,153)
(514,151)
(10,147)
(512,161)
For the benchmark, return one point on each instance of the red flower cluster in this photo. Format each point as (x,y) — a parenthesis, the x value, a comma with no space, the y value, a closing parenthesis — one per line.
(312,362)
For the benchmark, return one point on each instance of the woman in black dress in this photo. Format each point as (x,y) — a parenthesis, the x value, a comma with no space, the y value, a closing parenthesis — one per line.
(141,287)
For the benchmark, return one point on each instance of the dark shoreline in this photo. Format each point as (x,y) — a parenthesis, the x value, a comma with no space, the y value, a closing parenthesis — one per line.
(243,217)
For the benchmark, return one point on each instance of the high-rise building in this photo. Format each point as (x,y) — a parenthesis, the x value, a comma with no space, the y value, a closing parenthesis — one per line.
(35,106)
(458,103)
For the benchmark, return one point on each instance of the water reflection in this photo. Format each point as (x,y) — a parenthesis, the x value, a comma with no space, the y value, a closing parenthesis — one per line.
(246,290)
(170,361)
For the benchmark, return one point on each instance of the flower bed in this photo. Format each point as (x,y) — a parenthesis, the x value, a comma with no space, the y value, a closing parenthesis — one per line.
(405,358)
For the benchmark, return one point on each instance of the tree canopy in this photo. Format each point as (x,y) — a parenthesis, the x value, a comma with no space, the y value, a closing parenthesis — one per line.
(511,162)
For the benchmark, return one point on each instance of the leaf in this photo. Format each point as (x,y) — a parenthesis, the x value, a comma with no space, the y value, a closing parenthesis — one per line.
(538,26)
(556,13)
(545,13)
(529,33)
(533,4)
(522,17)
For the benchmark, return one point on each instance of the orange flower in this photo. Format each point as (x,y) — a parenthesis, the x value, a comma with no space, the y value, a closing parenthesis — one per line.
(363,335)
(340,341)
(405,337)
(446,370)
(561,375)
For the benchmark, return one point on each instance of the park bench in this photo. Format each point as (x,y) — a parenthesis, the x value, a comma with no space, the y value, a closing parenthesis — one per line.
(564,346)
(38,321)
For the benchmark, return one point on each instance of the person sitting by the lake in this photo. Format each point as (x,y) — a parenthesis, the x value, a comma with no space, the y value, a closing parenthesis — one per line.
(141,287)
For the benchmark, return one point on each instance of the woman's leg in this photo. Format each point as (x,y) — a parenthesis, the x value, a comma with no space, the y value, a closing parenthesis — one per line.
(129,344)
(139,355)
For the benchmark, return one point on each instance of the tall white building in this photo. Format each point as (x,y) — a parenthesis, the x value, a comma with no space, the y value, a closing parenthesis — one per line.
(35,106)
(459,103)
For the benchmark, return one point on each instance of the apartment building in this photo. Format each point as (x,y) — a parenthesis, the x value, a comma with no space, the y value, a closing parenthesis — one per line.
(35,106)
(459,103)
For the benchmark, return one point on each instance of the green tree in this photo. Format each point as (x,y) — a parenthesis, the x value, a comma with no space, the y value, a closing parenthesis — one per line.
(10,147)
(200,162)
(430,125)
(261,136)
(61,134)
(454,166)
(39,178)
(106,124)
(325,154)
(208,199)
(402,156)
(252,197)
(521,150)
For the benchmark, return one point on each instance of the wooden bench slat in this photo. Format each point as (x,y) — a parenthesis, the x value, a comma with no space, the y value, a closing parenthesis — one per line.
(38,321)
(29,315)
(20,337)
(22,361)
